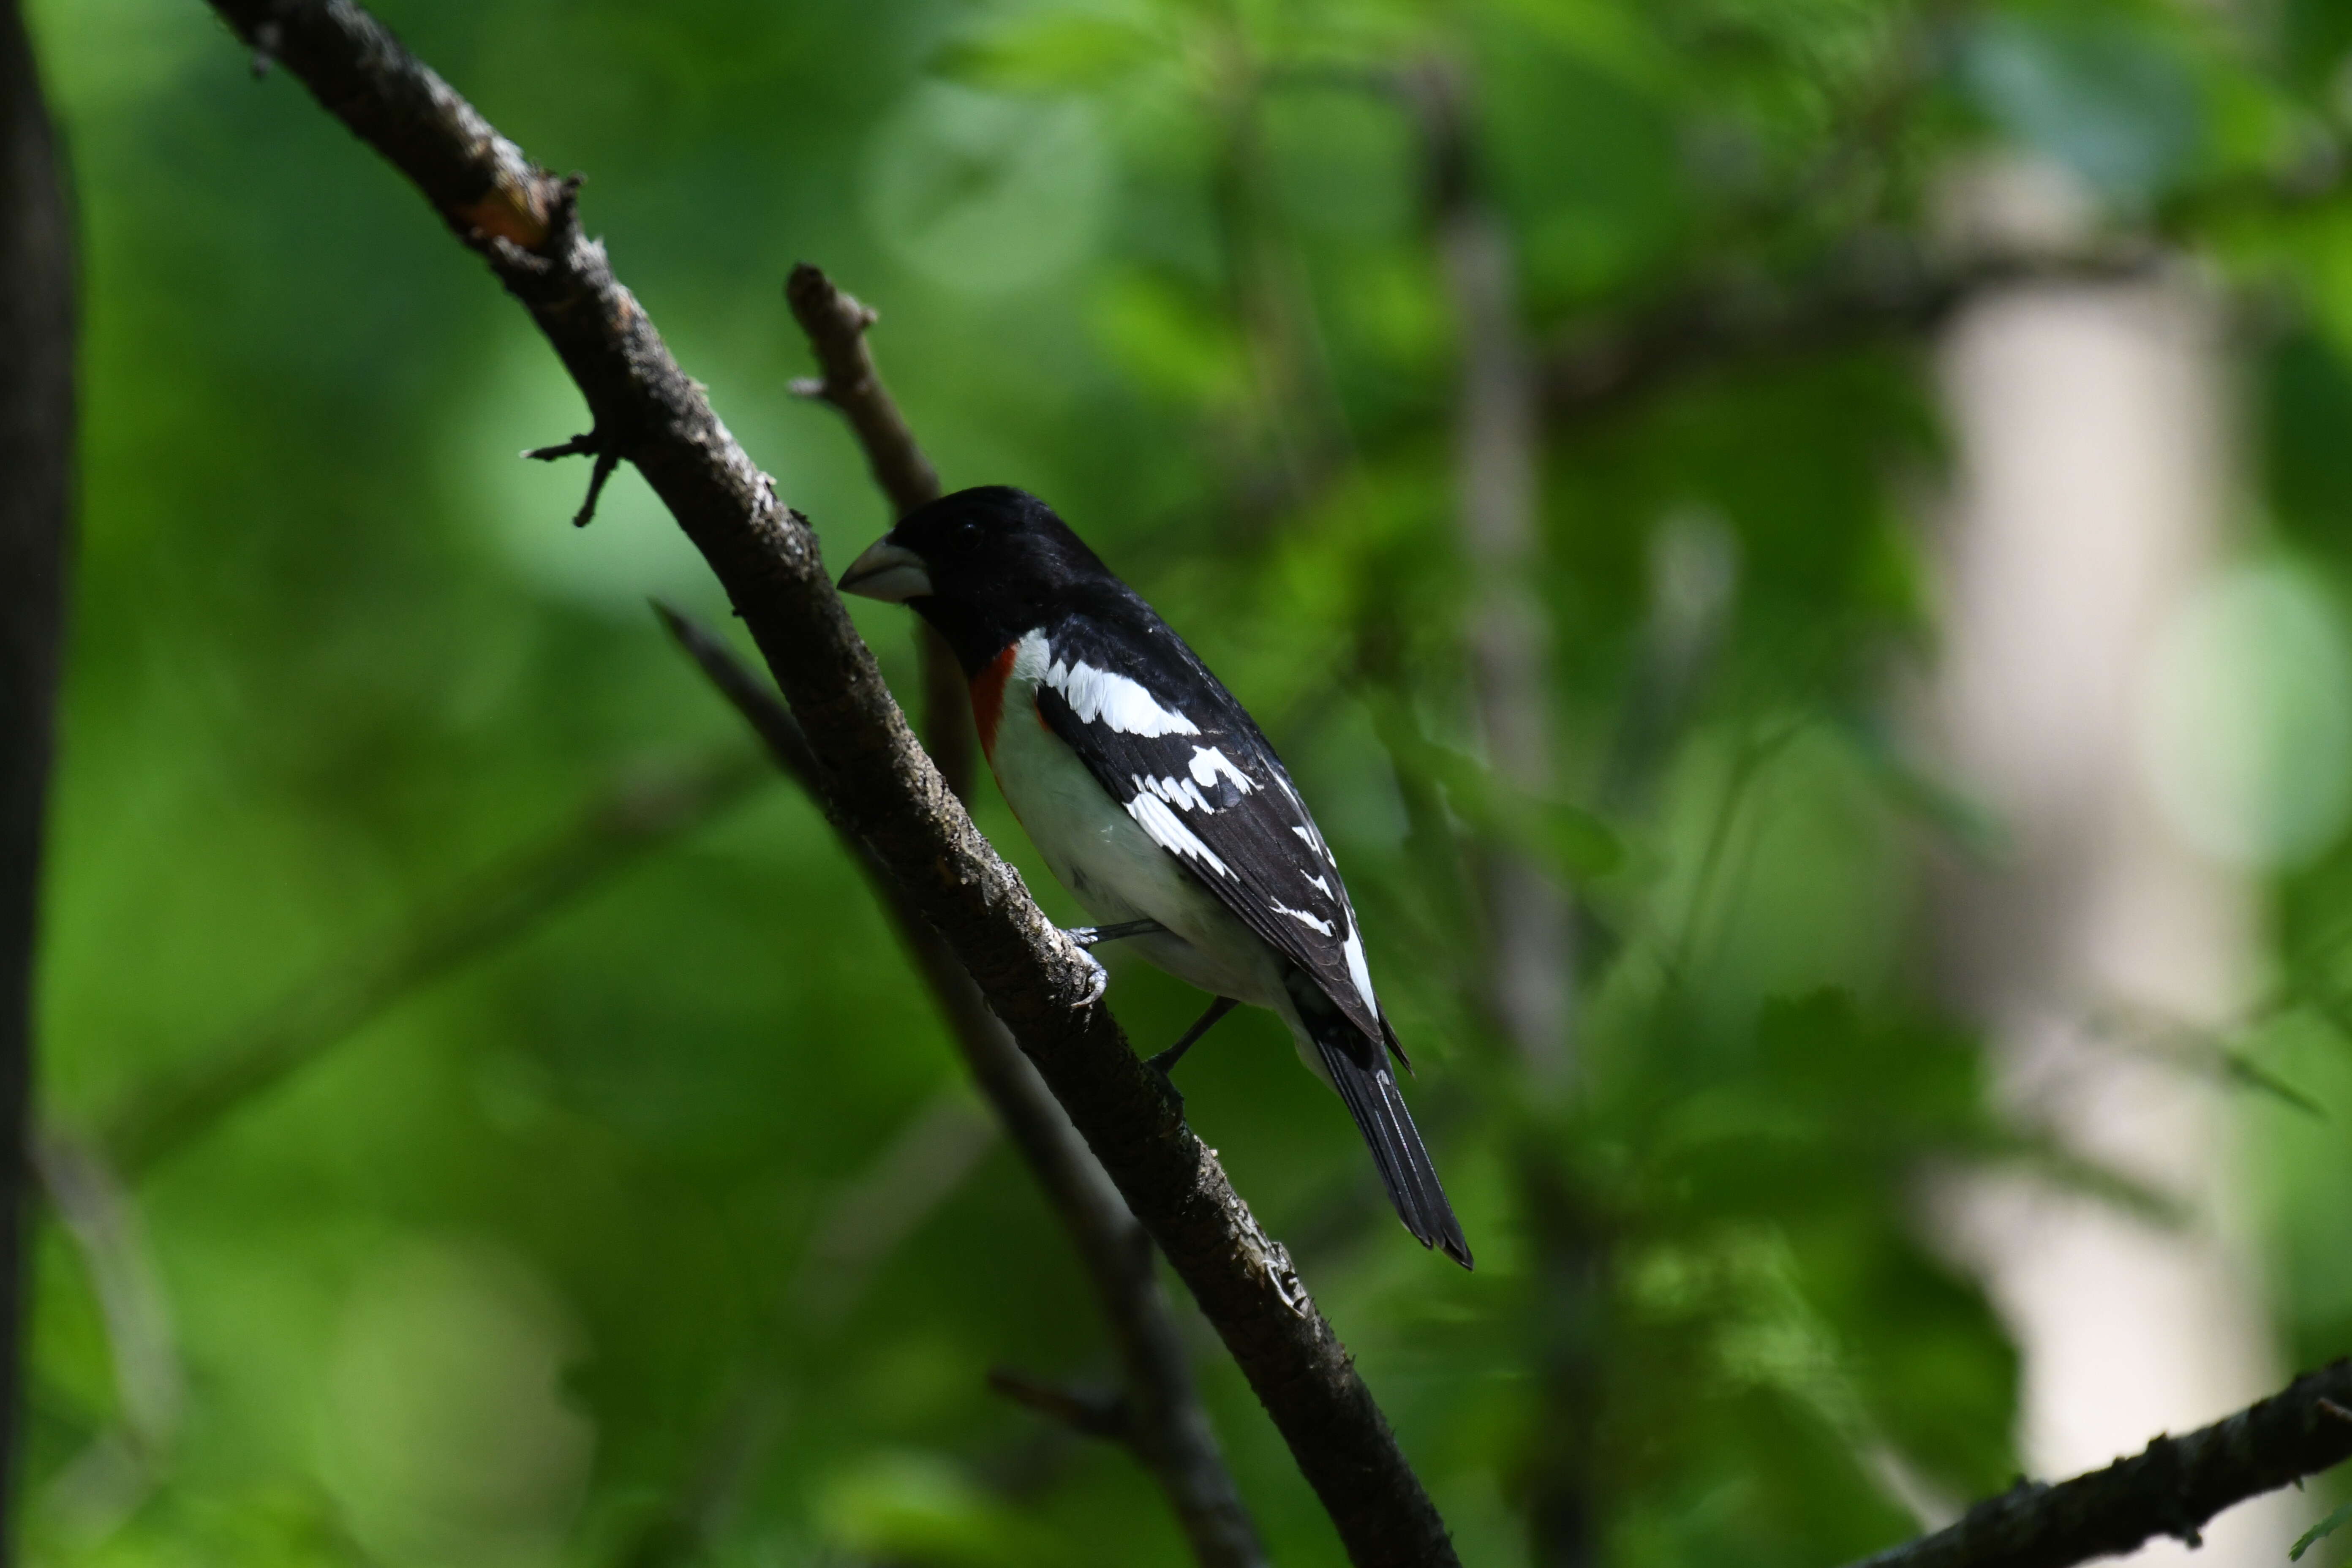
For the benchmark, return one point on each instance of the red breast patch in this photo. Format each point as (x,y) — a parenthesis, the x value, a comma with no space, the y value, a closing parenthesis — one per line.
(988,698)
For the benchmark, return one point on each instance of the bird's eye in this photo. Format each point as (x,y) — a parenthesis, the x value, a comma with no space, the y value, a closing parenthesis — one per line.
(967,532)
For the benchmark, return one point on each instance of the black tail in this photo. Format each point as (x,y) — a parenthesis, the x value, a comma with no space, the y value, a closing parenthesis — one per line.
(1372,1098)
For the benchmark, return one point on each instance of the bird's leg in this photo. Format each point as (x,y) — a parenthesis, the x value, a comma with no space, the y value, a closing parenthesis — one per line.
(1166,1060)
(1088,936)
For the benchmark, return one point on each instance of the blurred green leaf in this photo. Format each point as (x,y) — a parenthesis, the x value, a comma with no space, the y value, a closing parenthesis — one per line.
(2336,1518)
(2102,97)
(1572,839)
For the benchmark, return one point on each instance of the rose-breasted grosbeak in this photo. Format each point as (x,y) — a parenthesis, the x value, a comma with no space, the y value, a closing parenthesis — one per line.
(1154,799)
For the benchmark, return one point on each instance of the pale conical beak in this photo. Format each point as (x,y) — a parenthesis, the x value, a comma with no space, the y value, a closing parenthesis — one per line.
(890,573)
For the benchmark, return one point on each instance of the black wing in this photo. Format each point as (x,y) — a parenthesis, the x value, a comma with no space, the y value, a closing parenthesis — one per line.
(1171,744)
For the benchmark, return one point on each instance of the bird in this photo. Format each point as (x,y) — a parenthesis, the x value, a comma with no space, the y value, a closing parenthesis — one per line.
(1155,799)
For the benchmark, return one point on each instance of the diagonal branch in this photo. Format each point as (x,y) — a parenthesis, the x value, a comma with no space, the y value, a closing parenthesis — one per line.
(2170,1487)
(1884,286)
(158,1116)
(879,786)
(835,326)
(1894,292)
(1166,1426)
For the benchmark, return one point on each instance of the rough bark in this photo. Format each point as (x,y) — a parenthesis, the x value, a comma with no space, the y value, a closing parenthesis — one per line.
(876,782)
(2170,1487)
(36,433)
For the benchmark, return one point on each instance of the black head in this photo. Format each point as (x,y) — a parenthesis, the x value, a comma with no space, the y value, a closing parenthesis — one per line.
(982,565)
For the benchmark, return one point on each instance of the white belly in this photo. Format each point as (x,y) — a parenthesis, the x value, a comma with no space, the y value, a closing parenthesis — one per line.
(1114,868)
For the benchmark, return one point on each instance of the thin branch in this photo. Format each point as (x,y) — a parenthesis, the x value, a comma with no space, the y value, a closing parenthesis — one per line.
(863,1224)
(589,444)
(2170,1487)
(1887,290)
(1168,1430)
(877,784)
(835,326)
(1881,285)
(1091,1414)
(36,459)
(162,1116)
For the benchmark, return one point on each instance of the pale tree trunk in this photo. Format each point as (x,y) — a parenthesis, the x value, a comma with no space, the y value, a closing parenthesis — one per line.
(2093,486)
(1527,970)
(36,467)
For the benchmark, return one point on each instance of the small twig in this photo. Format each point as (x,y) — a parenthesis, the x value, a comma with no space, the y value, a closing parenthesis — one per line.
(1094,1415)
(869,1217)
(2172,1487)
(591,444)
(582,444)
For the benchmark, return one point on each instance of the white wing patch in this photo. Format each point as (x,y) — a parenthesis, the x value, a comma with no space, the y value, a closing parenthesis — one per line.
(1303,918)
(1151,813)
(1118,704)
(1209,762)
(1320,885)
(1030,657)
(1357,970)
(1176,792)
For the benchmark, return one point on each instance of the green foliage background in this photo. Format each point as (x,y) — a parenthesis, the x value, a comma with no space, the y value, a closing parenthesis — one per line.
(544,1262)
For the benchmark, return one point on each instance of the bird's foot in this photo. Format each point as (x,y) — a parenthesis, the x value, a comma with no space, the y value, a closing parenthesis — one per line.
(1090,936)
(1096,984)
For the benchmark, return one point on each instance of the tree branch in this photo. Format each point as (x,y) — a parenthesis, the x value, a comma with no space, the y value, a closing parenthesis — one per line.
(1890,290)
(37,448)
(1165,1425)
(878,787)
(1103,1415)
(835,326)
(1883,284)
(2170,1487)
